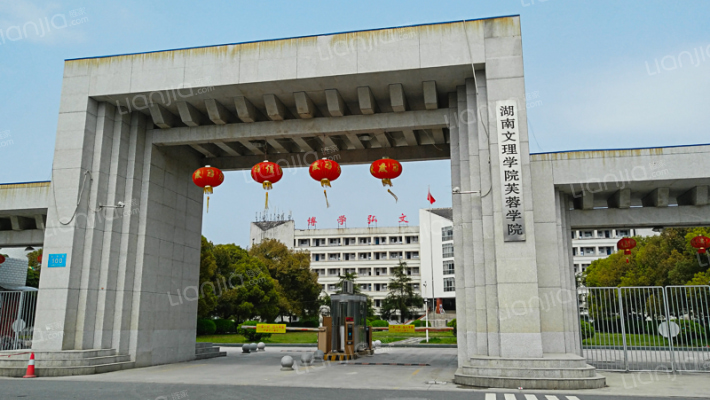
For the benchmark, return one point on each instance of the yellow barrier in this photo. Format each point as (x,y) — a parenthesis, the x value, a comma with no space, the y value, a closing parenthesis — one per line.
(401,328)
(271,328)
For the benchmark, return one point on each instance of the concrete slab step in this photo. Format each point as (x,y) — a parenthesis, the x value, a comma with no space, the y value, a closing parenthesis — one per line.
(68,371)
(58,355)
(204,356)
(595,382)
(207,350)
(18,363)
(512,372)
(548,361)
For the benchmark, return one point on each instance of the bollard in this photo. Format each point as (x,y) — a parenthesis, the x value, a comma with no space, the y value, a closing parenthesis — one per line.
(318,356)
(245,348)
(261,346)
(286,363)
(306,359)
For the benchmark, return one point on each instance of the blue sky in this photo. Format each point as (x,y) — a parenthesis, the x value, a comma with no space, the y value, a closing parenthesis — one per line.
(599,74)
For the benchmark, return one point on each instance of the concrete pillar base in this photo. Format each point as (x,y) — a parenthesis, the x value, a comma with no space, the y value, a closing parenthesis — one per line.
(552,371)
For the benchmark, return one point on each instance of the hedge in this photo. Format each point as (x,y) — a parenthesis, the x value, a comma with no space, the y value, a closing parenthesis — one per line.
(225,326)
(206,327)
(378,323)
(587,330)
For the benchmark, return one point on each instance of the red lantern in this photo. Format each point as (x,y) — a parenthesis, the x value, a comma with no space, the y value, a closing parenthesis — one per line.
(386,169)
(701,243)
(208,178)
(626,244)
(39,259)
(267,173)
(2,258)
(325,171)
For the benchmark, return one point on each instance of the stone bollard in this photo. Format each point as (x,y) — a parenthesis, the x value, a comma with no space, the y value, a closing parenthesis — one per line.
(377,344)
(252,346)
(318,356)
(306,359)
(286,363)
(245,348)
(261,346)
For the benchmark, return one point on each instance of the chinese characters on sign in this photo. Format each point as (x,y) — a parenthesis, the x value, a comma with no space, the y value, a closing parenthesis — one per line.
(371,219)
(510,164)
(311,222)
(403,219)
(271,328)
(341,220)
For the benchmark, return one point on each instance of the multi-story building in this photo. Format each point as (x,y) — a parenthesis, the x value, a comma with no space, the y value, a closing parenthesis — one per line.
(437,250)
(371,253)
(592,244)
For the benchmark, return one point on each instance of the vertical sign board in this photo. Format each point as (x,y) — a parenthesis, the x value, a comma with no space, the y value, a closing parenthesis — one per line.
(511,171)
(57,261)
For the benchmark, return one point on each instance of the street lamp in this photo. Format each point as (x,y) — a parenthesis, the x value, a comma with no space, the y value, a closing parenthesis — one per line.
(426,314)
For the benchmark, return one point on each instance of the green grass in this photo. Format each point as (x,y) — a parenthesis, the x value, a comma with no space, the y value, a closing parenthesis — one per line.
(615,339)
(441,340)
(390,337)
(291,337)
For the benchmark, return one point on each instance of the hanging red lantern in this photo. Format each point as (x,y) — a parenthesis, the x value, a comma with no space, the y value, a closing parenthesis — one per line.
(267,173)
(325,171)
(208,178)
(386,169)
(39,259)
(701,243)
(626,244)
(2,258)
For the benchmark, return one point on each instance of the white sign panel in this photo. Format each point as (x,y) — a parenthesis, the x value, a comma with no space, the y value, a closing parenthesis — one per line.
(511,171)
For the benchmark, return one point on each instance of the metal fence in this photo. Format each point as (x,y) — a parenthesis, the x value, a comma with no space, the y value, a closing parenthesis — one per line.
(17,317)
(646,328)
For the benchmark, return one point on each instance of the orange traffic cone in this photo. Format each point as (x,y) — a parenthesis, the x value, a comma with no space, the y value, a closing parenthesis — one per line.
(31,367)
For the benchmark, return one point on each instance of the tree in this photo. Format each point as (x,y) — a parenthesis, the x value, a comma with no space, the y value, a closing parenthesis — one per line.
(208,271)
(666,259)
(33,270)
(297,283)
(401,297)
(349,276)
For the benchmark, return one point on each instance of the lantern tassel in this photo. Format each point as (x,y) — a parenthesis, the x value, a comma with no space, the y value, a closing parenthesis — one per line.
(325,182)
(396,199)
(627,260)
(327,205)
(208,204)
(266,205)
(387,182)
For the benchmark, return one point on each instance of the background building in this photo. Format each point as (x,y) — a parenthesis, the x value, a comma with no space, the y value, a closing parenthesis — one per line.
(437,249)
(592,244)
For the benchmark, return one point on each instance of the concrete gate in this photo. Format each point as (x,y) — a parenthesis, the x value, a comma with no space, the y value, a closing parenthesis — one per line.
(133,128)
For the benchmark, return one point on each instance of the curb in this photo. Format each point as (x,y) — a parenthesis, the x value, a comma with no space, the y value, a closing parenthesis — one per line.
(384,345)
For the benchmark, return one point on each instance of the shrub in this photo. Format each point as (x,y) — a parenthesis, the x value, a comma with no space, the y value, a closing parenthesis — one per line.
(420,323)
(691,332)
(587,330)
(224,326)
(307,323)
(252,335)
(206,327)
(378,323)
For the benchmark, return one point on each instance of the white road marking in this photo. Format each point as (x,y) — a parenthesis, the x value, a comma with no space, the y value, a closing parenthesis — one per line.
(490,396)
(552,397)
(509,396)
(572,398)
(530,397)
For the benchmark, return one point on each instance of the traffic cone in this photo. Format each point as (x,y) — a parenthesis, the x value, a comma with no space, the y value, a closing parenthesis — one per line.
(31,367)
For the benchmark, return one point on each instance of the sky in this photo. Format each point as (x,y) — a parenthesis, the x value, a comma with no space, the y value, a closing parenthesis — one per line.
(599,75)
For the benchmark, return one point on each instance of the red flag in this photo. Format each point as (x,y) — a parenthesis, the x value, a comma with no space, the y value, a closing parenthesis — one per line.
(430,197)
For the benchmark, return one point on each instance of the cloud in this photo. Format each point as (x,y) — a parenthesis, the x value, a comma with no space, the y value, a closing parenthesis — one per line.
(51,24)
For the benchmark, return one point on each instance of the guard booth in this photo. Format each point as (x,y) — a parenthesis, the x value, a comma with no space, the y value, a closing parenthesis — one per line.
(349,334)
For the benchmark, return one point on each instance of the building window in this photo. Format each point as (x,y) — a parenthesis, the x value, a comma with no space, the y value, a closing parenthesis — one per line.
(396,255)
(366,240)
(449,267)
(587,251)
(412,239)
(333,271)
(574,251)
(364,272)
(349,256)
(448,250)
(415,286)
(332,287)
(303,243)
(447,233)
(587,234)
(364,256)
(319,257)
(573,234)
(378,303)
(449,285)
(334,257)
(606,250)
(395,240)
(622,233)
(334,242)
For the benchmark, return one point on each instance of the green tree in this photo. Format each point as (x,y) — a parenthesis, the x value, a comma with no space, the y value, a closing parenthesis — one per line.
(662,260)
(207,301)
(297,283)
(34,268)
(401,297)
(348,276)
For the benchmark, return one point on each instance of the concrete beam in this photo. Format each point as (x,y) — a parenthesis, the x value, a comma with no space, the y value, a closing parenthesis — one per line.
(278,147)
(336,104)
(163,118)
(355,124)
(249,145)
(431,100)
(347,157)
(584,201)
(410,137)
(227,148)
(203,150)
(620,199)
(305,147)
(190,115)
(328,143)
(32,237)
(383,139)
(275,108)
(697,196)
(439,137)
(368,104)
(398,99)
(641,217)
(218,113)
(354,141)
(40,221)
(245,109)
(656,198)
(305,106)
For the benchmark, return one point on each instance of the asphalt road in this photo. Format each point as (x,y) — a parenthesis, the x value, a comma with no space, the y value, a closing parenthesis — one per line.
(38,389)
